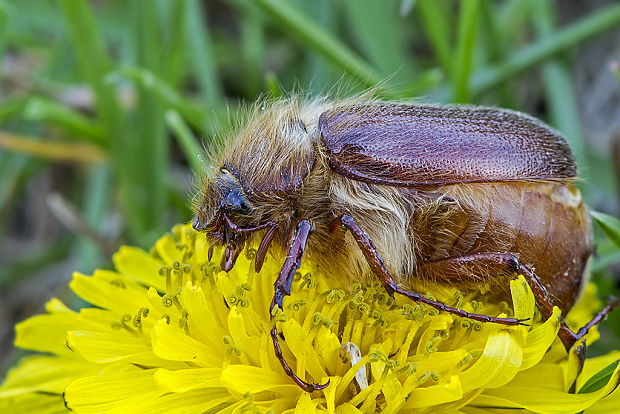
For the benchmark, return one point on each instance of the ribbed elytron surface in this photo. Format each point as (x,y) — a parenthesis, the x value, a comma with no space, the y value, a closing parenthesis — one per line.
(412,145)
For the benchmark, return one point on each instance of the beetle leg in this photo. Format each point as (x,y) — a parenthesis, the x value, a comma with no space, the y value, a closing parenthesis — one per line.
(378,267)
(282,288)
(543,299)
(264,246)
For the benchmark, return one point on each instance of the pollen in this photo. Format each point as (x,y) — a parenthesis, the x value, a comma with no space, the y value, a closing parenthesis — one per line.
(169,331)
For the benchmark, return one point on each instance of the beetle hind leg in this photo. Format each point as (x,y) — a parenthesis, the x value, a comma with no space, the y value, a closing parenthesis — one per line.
(543,300)
(545,303)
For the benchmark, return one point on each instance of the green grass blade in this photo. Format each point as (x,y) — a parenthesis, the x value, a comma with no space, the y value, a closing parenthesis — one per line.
(94,63)
(511,18)
(175,24)
(167,95)
(495,46)
(15,172)
(560,92)
(41,109)
(97,202)
(319,73)
(607,254)
(425,81)
(3,30)
(468,23)
(151,167)
(35,259)
(436,21)
(600,379)
(609,224)
(378,30)
(314,37)
(252,50)
(202,56)
(92,58)
(561,40)
(272,84)
(187,141)
(12,107)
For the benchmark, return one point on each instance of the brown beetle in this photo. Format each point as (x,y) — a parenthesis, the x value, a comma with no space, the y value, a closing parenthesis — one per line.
(453,194)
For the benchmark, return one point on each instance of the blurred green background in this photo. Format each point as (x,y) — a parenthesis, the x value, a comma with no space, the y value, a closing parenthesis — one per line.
(105,106)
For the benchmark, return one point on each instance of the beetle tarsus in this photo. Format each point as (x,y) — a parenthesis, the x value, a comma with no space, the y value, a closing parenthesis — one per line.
(543,299)
(611,305)
(306,386)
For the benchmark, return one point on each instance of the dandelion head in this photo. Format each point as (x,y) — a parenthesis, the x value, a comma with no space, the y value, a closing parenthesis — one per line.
(170,332)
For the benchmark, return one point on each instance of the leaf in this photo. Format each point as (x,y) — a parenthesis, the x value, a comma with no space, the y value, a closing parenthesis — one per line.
(600,379)
(610,226)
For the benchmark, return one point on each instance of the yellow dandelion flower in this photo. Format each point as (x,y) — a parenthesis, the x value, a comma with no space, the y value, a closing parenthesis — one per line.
(172,333)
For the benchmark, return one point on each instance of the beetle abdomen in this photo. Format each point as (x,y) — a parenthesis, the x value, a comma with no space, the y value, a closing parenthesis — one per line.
(544,224)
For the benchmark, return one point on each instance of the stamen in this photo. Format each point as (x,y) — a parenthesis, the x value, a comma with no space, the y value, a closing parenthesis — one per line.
(318,319)
(165,271)
(308,281)
(124,324)
(208,270)
(477,305)
(296,305)
(333,295)
(232,349)
(505,308)
(277,315)
(183,321)
(431,345)
(137,320)
(409,369)
(187,253)
(250,254)
(171,298)
(250,407)
(425,377)
(412,313)
(242,288)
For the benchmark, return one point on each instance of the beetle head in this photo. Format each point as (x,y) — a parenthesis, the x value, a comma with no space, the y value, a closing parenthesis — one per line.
(261,175)
(224,215)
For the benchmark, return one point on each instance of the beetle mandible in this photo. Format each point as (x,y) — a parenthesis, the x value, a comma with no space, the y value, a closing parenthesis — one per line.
(415,194)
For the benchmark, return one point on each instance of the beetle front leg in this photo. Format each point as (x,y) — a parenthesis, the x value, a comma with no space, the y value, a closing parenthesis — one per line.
(282,288)
(378,267)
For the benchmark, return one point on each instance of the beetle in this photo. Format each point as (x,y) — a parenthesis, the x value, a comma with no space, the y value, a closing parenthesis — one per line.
(413,194)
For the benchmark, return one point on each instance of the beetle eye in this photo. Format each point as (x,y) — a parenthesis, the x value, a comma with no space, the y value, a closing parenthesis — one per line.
(235,202)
